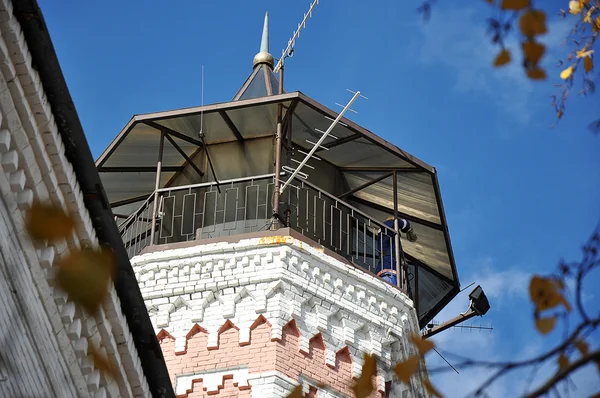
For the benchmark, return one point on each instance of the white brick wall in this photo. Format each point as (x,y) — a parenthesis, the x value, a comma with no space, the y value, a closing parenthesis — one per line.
(48,335)
(283,279)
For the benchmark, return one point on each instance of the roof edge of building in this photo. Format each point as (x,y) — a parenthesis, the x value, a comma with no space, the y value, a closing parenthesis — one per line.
(77,151)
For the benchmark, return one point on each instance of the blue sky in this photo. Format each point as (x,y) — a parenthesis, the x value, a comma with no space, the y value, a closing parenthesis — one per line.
(518,195)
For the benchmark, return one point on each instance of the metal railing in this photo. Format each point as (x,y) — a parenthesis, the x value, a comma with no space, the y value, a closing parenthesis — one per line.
(244,205)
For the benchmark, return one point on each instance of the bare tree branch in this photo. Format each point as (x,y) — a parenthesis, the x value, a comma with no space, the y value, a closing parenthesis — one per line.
(562,373)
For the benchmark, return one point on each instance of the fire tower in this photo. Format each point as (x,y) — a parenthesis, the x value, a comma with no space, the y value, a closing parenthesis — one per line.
(252,288)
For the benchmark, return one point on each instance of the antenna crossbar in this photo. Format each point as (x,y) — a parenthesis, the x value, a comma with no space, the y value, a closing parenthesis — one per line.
(292,42)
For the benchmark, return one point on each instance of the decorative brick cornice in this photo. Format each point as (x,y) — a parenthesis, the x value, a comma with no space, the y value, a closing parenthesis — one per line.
(334,307)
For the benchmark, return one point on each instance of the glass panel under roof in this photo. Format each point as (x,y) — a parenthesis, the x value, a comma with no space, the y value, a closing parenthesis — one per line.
(416,194)
(255,121)
(214,127)
(274,82)
(431,289)
(257,87)
(363,153)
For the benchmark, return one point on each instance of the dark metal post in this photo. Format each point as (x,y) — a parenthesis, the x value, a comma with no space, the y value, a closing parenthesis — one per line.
(399,270)
(416,291)
(157,185)
(278,139)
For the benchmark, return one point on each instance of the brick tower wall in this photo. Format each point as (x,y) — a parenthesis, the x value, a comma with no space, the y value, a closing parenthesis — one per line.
(257,317)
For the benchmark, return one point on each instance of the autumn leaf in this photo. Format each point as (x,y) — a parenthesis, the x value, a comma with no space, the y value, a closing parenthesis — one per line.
(545,293)
(85,276)
(100,362)
(405,370)
(533,23)
(514,4)
(588,16)
(563,361)
(565,74)
(545,325)
(588,64)
(296,393)
(583,347)
(533,51)
(48,222)
(536,73)
(574,7)
(502,58)
(584,52)
(422,345)
(431,389)
(363,386)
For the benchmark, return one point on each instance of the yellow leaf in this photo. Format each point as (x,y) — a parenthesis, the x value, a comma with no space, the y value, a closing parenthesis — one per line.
(574,7)
(545,325)
(502,58)
(588,16)
(583,347)
(545,293)
(100,362)
(536,73)
(514,4)
(565,74)
(431,389)
(584,53)
(422,345)
(363,387)
(405,370)
(559,114)
(588,64)
(533,23)
(533,51)
(296,393)
(45,221)
(596,26)
(563,361)
(85,276)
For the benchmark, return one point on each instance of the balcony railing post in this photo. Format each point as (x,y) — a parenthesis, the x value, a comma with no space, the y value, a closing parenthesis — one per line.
(157,186)
(399,270)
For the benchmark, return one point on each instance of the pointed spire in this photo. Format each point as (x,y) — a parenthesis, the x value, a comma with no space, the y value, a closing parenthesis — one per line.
(264,57)
(264,43)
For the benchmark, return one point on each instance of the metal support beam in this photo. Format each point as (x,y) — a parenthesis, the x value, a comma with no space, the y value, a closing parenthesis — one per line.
(129,201)
(341,141)
(365,185)
(448,324)
(157,186)
(384,169)
(399,269)
(277,168)
(231,125)
(401,214)
(185,156)
(137,169)
(174,133)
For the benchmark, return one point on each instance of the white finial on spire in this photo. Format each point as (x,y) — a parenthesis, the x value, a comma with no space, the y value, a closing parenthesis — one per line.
(264,57)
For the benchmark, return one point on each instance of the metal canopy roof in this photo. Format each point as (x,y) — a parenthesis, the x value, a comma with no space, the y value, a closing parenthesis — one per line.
(128,168)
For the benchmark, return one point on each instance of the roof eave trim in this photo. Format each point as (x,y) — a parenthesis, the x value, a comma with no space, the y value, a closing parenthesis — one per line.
(77,151)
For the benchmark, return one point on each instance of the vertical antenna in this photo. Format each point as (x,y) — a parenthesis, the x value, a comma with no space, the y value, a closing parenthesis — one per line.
(202,104)
(201,134)
(292,42)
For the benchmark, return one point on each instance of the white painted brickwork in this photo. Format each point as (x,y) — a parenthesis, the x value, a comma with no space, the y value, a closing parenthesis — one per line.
(45,337)
(283,279)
